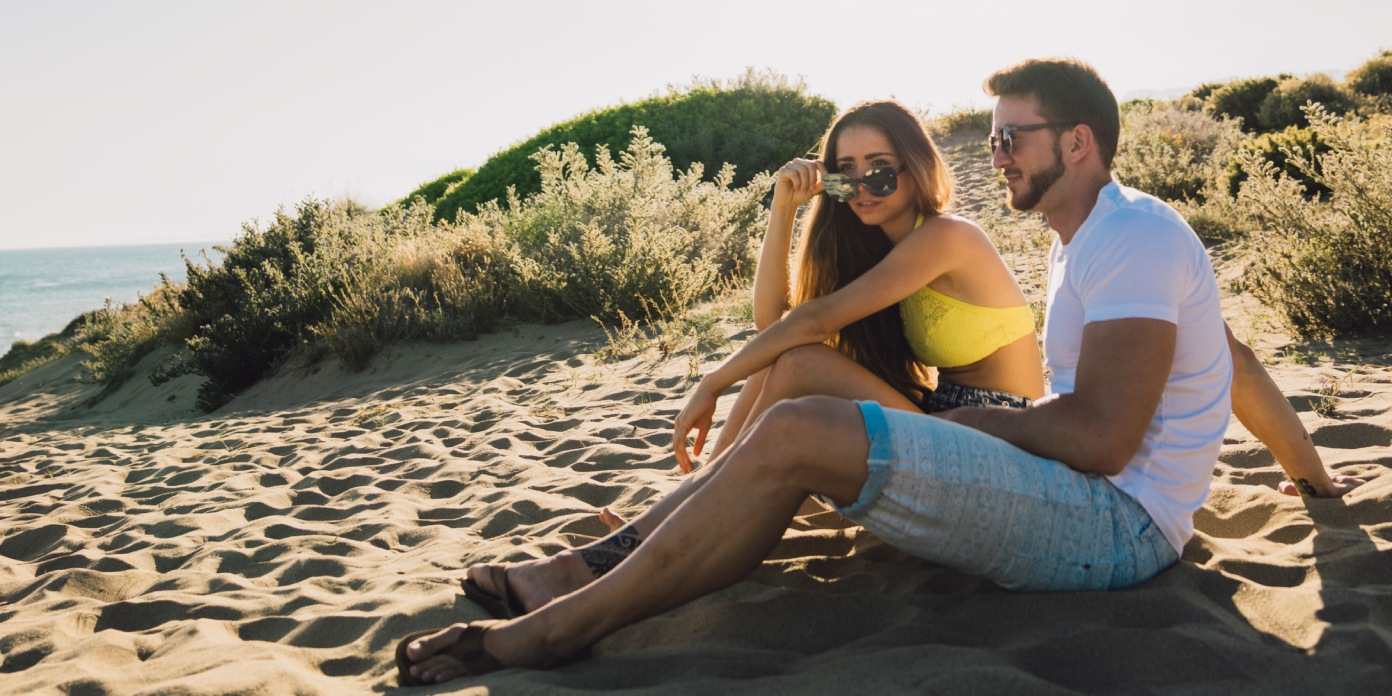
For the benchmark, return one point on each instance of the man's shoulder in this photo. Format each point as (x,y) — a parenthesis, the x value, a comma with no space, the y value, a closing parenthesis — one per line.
(1133,215)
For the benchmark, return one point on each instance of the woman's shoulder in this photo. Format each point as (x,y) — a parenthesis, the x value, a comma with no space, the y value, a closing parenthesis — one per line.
(949,228)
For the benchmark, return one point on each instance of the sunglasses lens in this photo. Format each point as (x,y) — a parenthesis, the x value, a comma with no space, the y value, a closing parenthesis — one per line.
(839,187)
(881,182)
(1003,141)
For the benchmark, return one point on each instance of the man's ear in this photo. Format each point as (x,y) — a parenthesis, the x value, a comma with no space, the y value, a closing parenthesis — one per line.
(1081,144)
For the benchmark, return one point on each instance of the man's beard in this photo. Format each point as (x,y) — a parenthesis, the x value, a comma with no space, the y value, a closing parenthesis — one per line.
(1039,184)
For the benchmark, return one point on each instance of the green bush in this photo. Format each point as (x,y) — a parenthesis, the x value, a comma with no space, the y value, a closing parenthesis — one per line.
(1282,108)
(119,336)
(1276,148)
(431,192)
(271,287)
(1373,78)
(1173,153)
(1205,90)
(1373,81)
(756,123)
(1325,263)
(1242,99)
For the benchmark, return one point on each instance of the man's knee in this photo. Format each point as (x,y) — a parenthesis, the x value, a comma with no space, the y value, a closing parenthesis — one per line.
(815,444)
(777,437)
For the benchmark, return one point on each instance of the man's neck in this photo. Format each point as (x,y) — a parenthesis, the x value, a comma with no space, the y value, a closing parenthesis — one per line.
(1075,204)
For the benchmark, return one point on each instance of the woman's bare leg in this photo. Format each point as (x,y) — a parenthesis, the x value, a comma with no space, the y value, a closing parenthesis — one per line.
(819,370)
(739,413)
(797,448)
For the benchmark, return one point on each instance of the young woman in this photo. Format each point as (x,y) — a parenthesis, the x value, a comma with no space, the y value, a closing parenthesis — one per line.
(887,285)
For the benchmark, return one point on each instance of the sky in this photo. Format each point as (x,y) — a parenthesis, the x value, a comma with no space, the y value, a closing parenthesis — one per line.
(144,122)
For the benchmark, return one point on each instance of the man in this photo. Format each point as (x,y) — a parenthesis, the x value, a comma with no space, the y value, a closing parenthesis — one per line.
(1093,488)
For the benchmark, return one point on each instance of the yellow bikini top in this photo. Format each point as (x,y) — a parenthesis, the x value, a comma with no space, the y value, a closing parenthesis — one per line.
(947,332)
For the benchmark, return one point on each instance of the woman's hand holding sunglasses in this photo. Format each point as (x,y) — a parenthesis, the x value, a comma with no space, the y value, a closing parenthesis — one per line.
(798,181)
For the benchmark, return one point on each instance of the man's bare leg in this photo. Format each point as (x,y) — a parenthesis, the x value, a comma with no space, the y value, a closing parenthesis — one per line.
(535,583)
(798,448)
(810,370)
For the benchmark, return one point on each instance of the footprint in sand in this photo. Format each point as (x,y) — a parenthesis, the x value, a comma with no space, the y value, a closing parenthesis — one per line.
(1352,436)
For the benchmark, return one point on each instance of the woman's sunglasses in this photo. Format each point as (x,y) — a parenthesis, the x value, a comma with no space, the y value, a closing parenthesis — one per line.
(880,182)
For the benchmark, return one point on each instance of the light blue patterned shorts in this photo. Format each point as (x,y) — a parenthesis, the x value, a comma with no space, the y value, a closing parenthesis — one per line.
(956,496)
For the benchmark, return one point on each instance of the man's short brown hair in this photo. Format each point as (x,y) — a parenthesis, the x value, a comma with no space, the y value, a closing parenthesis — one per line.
(1066,89)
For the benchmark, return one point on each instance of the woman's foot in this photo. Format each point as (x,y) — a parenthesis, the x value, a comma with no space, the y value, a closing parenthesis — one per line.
(431,657)
(530,585)
(521,588)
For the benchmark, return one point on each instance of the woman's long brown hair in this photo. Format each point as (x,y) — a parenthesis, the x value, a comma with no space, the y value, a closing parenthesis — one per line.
(837,247)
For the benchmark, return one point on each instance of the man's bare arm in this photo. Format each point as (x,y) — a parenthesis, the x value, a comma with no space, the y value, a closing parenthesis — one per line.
(1266,412)
(1122,369)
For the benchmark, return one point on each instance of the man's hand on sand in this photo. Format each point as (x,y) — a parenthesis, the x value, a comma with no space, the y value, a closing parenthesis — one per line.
(1303,488)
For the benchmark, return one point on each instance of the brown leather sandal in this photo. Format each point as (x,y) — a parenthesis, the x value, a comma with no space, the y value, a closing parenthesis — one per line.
(500,603)
(467,649)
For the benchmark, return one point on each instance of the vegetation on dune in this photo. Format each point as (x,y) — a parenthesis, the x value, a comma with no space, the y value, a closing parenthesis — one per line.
(1284,107)
(1373,81)
(1240,100)
(432,191)
(1275,149)
(26,356)
(1172,152)
(623,238)
(754,123)
(962,121)
(1313,178)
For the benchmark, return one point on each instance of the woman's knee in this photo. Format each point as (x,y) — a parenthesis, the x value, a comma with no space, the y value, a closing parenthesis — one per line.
(798,367)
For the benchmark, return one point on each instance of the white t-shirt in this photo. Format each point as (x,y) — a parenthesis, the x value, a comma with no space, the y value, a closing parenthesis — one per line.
(1136,258)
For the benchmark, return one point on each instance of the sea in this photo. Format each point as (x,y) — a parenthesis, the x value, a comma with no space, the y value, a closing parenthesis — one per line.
(42,290)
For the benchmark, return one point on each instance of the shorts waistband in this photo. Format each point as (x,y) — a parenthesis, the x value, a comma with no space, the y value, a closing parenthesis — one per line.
(949,396)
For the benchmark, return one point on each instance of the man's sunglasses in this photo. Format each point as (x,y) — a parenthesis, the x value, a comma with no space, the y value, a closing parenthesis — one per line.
(880,181)
(1005,137)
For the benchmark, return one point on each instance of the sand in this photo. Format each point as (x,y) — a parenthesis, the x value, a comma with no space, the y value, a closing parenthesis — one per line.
(284,543)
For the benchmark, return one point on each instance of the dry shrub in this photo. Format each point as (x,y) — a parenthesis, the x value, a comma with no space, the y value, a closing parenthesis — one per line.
(624,236)
(1325,263)
(1174,153)
(450,285)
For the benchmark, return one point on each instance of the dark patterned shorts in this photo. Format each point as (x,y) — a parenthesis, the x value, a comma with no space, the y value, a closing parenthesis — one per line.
(949,396)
